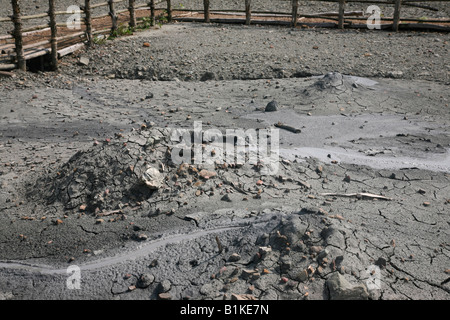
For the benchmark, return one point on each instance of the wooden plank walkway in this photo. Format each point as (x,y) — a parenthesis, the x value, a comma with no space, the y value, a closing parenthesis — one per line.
(56,39)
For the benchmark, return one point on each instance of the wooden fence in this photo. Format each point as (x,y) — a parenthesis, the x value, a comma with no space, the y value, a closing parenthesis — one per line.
(50,43)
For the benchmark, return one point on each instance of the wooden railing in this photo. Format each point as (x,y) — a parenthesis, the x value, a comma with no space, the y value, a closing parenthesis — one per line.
(19,52)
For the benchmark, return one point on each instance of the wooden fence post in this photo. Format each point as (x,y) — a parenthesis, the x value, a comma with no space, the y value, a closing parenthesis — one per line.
(294,13)
(152,13)
(341,14)
(88,21)
(248,12)
(169,10)
(21,63)
(206,12)
(54,35)
(396,22)
(112,13)
(131,4)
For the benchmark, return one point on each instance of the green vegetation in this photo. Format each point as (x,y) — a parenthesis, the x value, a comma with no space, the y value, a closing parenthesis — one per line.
(122,30)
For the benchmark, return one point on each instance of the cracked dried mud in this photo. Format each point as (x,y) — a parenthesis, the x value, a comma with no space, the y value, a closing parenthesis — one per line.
(357,209)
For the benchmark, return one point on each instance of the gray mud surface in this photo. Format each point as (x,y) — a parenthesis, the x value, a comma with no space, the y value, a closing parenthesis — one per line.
(358,208)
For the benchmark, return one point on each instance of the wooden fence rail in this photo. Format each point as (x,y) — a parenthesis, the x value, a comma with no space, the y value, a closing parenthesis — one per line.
(17,50)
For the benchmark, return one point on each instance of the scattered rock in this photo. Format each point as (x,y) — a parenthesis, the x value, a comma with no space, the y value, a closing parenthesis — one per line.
(272,106)
(152,178)
(83,61)
(302,276)
(381,262)
(395,74)
(247,273)
(57,221)
(164,286)
(234,257)
(165,296)
(244,296)
(226,198)
(142,237)
(207,76)
(205,174)
(264,251)
(340,289)
(145,280)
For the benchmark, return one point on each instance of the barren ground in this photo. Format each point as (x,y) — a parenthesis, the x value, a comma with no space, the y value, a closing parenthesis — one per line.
(362,192)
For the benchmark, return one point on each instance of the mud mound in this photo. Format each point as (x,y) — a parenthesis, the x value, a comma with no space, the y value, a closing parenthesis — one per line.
(334,82)
(107,175)
(137,171)
(336,85)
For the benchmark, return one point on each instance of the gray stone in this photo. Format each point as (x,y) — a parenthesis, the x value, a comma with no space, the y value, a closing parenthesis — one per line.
(164,286)
(83,61)
(226,198)
(152,178)
(340,289)
(145,280)
(302,276)
(208,76)
(234,257)
(272,106)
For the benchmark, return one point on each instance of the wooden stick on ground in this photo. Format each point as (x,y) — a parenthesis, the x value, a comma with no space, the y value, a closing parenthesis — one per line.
(357,195)
(219,244)
(288,128)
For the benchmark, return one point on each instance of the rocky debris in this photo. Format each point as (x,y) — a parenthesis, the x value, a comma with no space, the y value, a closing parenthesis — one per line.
(272,106)
(165,296)
(299,252)
(152,178)
(83,61)
(340,289)
(145,280)
(208,76)
(244,296)
(234,257)
(226,198)
(164,286)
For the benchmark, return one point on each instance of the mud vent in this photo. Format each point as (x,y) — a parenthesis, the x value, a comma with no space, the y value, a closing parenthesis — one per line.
(108,175)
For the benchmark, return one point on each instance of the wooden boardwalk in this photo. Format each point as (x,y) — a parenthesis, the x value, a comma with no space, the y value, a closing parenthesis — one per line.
(54,40)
